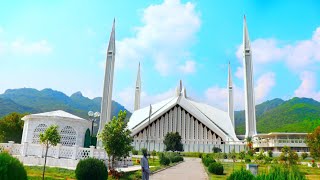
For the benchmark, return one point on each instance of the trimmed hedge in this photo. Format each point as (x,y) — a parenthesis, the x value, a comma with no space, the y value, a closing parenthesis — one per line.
(207,160)
(91,168)
(216,168)
(163,159)
(11,168)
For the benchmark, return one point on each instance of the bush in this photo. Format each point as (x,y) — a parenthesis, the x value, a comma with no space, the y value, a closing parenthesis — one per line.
(304,155)
(270,153)
(241,174)
(247,160)
(163,159)
(11,168)
(200,155)
(216,168)
(134,152)
(280,172)
(91,168)
(216,150)
(207,160)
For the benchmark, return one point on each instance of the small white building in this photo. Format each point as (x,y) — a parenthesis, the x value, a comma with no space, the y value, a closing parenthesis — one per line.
(71,128)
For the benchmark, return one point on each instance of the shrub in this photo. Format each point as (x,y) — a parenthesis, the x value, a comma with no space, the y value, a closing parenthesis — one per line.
(154,153)
(225,156)
(280,172)
(216,168)
(11,168)
(207,160)
(241,174)
(200,155)
(134,152)
(91,168)
(270,153)
(216,150)
(163,159)
(304,155)
(247,160)
(242,155)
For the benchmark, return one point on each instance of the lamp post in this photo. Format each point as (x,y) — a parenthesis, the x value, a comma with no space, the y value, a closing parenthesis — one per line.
(93,118)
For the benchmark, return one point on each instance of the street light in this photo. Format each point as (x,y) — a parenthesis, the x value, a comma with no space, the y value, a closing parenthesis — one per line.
(93,118)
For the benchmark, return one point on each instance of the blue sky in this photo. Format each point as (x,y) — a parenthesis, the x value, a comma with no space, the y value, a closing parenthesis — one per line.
(61,45)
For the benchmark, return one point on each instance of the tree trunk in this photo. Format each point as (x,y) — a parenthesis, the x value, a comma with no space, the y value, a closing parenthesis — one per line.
(45,161)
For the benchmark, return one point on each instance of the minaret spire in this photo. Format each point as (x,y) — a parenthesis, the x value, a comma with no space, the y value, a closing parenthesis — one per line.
(108,82)
(137,91)
(250,112)
(230,96)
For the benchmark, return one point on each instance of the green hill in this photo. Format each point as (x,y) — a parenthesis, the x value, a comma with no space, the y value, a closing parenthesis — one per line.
(294,115)
(28,100)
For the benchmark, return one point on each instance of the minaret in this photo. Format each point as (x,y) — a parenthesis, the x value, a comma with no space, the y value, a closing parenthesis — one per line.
(108,81)
(250,112)
(137,91)
(230,96)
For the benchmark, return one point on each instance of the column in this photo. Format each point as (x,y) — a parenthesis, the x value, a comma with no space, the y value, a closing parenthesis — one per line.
(188,129)
(178,124)
(183,122)
(170,121)
(174,119)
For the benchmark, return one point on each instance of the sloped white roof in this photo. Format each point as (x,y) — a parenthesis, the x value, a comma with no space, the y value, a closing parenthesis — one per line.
(54,114)
(217,120)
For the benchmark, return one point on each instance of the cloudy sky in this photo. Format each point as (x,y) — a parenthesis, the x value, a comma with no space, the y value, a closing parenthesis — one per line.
(62,44)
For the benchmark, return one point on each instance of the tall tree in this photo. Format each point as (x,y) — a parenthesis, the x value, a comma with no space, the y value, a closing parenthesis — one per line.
(50,137)
(172,141)
(116,138)
(313,142)
(11,127)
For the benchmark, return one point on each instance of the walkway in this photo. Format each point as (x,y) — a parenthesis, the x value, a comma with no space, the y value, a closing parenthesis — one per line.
(191,168)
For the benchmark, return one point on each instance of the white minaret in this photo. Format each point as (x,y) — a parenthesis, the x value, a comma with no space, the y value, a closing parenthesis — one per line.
(137,91)
(108,81)
(230,96)
(250,110)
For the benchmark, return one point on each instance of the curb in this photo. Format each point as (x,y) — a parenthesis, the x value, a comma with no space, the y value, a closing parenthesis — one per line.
(166,168)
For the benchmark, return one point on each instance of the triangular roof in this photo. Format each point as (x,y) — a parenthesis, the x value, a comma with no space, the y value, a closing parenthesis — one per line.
(217,120)
(58,113)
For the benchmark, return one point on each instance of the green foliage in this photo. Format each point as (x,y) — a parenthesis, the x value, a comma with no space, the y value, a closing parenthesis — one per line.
(216,168)
(207,160)
(91,168)
(51,136)
(270,153)
(288,157)
(247,160)
(304,155)
(134,152)
(232,155)
(11,168)
(200,155)
(87,139)
(313,142)
(241,174)
(116,137)
(163,159)
(172,142)
(190,154)
(279,172)
(242,155)
(11,127)
(294,115)
(259,157)
(216,150)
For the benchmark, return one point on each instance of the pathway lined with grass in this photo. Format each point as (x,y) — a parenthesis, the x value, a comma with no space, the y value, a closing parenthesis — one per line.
(191,168)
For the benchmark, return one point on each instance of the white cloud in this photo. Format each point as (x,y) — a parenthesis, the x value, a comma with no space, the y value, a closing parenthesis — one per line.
(218,97)
(188,67)
(308,85)
(298,56)
(126,97)
(263,86)
(168,31)
(21,47)
(239,72)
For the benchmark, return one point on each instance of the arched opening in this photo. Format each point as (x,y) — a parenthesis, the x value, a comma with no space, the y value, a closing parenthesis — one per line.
(37,131)
(68,136)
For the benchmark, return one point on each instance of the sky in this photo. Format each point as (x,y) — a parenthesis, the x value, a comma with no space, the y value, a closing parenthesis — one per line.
(62,45)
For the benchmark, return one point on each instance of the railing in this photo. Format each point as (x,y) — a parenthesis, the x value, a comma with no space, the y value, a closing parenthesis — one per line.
(280,143)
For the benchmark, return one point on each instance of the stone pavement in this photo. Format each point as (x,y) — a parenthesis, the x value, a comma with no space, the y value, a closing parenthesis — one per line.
(190,169)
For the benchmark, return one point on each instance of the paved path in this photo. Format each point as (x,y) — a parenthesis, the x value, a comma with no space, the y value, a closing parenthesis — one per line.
(191,168)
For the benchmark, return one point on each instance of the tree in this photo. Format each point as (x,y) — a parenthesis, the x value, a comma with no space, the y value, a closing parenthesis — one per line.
(50,137)
(313,142)
(216,150)
(288,157)
(116,138)
(249,142)
(172,141)
(242,155)
(153,154)
(11,127)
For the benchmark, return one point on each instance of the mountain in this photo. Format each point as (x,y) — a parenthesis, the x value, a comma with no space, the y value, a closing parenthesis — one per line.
(28,100)
(294,115)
